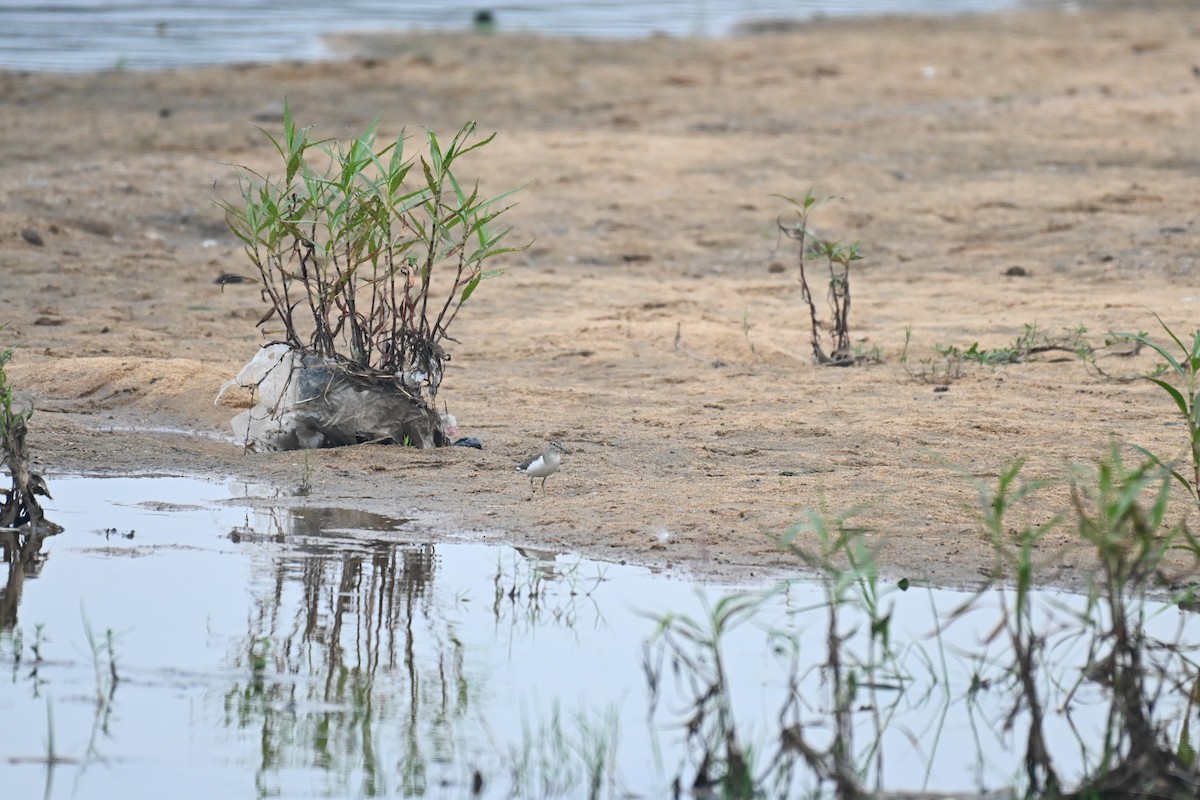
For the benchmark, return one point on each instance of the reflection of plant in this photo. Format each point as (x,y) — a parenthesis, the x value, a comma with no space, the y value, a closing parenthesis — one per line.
(850,583)
(531,591)
(693,649)
(39,639)
(1145,686)
(362,636)
(352,636)
(103,655)
(104,661)
(1018,623)
(104,666)
(1120,513)
(554,760)
(855,677)
(382,267)
(837,258)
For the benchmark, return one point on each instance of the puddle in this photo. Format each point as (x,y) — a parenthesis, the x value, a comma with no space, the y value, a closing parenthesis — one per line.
(169,430)
(330,653)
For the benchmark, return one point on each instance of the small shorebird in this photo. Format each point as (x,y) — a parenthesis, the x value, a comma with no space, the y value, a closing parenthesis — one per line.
(544,464)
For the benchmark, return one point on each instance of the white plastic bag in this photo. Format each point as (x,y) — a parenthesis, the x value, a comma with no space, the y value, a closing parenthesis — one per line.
(307,402)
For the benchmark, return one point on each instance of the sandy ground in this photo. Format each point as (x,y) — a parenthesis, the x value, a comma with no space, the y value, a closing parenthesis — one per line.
(655,326)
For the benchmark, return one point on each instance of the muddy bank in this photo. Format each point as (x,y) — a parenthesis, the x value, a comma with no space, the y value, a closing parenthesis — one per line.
(654,325)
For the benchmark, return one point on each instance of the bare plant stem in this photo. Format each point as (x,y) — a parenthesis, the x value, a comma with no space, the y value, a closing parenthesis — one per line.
(838,258)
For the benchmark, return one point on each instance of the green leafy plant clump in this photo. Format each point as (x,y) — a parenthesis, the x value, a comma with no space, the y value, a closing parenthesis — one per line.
(361,264)
(1182,366)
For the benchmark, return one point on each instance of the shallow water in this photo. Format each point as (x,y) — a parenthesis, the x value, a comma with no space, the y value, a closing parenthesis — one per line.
(72,35)
(331,653)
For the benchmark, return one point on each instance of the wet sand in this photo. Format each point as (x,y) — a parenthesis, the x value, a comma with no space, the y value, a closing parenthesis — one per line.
(1000,171)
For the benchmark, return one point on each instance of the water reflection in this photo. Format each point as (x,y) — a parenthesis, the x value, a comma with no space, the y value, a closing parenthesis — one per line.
(353,649)
(21,550)
(23,558)
(344,635)
(310,651)
(233,650)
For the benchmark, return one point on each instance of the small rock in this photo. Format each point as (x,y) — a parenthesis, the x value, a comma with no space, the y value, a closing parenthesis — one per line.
(32,236)
(272,112)
(1017,271)
(484,21)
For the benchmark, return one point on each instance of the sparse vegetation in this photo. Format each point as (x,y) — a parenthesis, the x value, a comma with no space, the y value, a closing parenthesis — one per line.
(558,760)
(833,335)
(22,523)
(1032,341)
(364,269)
(1183,366)
(1120,514)
(691,651)
(1144,686)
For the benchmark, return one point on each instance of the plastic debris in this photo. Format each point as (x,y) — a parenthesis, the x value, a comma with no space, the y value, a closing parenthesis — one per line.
(305,401)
